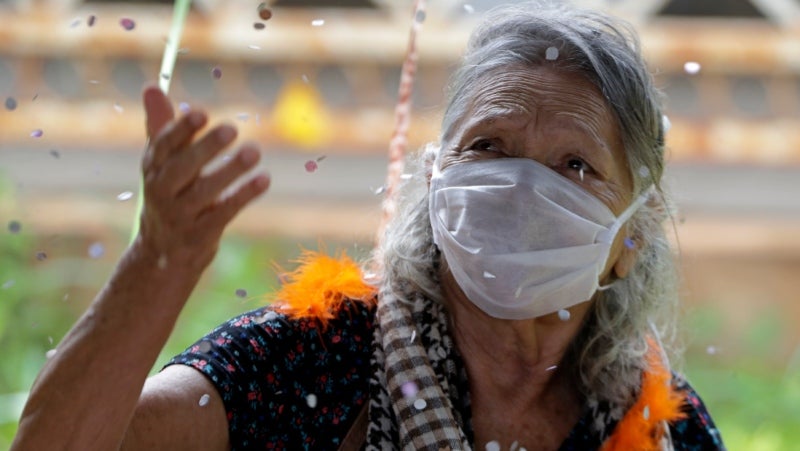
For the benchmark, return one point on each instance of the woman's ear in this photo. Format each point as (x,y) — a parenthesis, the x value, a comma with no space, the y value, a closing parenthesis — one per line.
(627,257)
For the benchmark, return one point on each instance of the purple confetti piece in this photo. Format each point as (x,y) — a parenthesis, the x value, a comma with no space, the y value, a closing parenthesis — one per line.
(127,24)
(41,256)
(11,103)
(216,72)
(184,107)
(37,133)
(629,243)
(96,250)
(90,22)
(241,292)
(14,226)
(409,389)
(311,166)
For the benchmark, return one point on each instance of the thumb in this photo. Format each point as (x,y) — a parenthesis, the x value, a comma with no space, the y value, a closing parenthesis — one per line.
(158,110)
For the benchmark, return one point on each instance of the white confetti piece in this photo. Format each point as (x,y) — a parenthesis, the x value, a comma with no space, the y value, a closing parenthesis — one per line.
(406,176)
(646,412)
(305,78)
(317,22)
(551,368)
(691,67)
(514,446)
(469,9)
(666,123)
(488,275)
(8,284)
(49,354)
(420,404)
(311,400)
(493,446)
(413,336)
(551,54)
(253,47)
(564,315)
(644,172)
(711,350)
(118,108)
(203,400)
(125,195)
(184,107)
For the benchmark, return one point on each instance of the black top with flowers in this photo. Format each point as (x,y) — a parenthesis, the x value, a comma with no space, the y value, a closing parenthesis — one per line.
(290,384)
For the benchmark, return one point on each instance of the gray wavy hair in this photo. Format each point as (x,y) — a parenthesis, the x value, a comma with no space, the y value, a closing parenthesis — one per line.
(608,355)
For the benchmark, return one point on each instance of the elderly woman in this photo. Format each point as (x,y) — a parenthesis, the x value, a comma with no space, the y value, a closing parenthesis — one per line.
(521,301)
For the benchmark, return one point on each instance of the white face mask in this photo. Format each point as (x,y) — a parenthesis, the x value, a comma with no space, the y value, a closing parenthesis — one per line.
(520,239)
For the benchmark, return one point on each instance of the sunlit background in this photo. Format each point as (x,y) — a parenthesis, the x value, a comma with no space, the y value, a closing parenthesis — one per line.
(316,85)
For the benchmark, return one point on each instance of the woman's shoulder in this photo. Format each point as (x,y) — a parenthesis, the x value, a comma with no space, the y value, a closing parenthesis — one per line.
(281,377)
(696,430)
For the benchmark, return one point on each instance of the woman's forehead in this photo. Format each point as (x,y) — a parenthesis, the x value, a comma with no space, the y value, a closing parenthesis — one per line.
(518,92)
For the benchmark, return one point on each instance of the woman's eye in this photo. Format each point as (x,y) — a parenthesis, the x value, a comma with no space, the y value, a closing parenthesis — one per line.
(578,164)
(485,145)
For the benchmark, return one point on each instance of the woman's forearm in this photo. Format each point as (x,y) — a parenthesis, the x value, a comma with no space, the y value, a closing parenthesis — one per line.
(87,391)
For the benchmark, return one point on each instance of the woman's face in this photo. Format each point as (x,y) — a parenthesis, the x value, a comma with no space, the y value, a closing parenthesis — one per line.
(557,118)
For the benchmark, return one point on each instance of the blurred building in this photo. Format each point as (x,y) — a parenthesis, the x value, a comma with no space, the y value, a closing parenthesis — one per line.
(319,79)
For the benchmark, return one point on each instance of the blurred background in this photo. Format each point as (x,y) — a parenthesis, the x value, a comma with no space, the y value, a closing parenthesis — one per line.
(316,85)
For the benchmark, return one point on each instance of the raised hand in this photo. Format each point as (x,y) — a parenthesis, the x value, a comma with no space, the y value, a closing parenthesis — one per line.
(184,212)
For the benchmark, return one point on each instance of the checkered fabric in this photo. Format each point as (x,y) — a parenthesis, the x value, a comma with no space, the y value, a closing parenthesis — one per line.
(411,403)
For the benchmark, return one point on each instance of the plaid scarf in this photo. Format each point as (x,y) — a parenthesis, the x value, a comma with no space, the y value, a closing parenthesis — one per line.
(419,397)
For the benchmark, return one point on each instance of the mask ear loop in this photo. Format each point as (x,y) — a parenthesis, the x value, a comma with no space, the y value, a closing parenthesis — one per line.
(621,220)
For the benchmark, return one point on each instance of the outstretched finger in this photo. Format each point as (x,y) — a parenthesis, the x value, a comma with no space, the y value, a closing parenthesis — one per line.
(181,171)
(176,137)
(218,216)
(158,109)
(207,188)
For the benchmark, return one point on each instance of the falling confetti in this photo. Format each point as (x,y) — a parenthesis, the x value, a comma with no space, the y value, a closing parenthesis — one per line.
(164,76)
(551,367)
(469,9)
(125,195)
(75,22)
(259,25)
(127,24)
(666,123)
(409,389)
(216,72)
(420,16)
(96,250)
(644,172)
(49,354)
(311,166)
(162,261)
(37,133)
(691,67)
(11,103)
(311,400)
(317,22)
(243,117)
(241,292)
(41,256)
(406,176)
(204,400)
(629,243)
(488,275)
(264,12)
(184,107)
(14,226)
(8,284)
(514,446)
(253,47)
(204,347)
(118,108)
(564,315)
(55,153)
(551,54)
(493,446)
(413,336)
(91,20)
(711,350)
(420,404)
(305,78)
(646,412)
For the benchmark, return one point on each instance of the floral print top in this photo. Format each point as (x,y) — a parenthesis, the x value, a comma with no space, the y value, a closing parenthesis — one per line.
(289,384)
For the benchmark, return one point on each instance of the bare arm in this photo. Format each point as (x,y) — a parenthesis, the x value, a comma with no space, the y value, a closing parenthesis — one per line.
(87,393)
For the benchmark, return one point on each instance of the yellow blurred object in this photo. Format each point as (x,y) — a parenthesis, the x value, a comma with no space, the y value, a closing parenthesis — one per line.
(300,117)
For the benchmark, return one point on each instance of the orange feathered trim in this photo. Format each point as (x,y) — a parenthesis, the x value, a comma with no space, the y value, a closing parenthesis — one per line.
(642,427)
(319,287)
